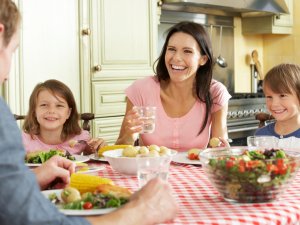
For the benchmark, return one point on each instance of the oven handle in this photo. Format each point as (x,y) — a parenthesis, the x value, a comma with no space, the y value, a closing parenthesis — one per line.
(242,129)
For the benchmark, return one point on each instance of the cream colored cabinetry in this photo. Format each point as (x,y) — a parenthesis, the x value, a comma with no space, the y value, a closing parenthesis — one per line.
(278,24)
(123,48)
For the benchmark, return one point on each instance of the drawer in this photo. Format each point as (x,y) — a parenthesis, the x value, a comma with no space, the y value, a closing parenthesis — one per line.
(107,128)
(109,98)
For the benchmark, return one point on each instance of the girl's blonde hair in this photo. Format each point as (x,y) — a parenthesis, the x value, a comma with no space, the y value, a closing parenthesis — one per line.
(57,88)
(284,78)
(10,17)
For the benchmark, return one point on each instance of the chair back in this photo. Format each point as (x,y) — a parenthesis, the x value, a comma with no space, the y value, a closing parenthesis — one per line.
(264,118)
(85,117)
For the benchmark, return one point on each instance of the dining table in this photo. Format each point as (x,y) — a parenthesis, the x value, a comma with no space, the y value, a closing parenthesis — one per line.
(200,203)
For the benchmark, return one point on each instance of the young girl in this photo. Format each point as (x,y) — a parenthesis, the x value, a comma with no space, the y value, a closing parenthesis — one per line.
(52,121)
(282,90)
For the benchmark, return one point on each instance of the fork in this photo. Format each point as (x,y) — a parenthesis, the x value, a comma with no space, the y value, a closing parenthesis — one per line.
(72,143)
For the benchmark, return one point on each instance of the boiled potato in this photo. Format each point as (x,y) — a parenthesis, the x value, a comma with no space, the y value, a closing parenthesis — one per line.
(153,153)
(214,142)
(130,151)
(154,147)
(164,151)
(70,194)
(143,150)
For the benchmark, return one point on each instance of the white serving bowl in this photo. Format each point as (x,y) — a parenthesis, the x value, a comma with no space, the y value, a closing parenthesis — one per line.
(124,165)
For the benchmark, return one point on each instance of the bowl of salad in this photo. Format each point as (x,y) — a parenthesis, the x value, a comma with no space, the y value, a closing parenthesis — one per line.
(250,175)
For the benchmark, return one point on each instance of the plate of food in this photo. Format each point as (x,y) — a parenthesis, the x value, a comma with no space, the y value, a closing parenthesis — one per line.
(97,158)
(105,199)
(85,168)
(189,157)
(37,158)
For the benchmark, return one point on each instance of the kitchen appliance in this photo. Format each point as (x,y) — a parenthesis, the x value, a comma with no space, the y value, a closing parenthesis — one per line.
(241,120)
(242,8)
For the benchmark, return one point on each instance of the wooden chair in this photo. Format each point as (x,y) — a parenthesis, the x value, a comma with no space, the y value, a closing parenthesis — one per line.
(85,117)
(263,118)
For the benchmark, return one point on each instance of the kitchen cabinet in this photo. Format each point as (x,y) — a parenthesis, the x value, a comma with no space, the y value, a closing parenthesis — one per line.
(49,49)
(123,48)
(276,24)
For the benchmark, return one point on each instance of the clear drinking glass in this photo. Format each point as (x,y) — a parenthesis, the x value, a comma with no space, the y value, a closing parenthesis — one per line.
(147,115)
(149,167)
(262,141)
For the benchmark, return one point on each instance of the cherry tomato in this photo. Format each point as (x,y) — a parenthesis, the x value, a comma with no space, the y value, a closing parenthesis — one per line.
(87,205)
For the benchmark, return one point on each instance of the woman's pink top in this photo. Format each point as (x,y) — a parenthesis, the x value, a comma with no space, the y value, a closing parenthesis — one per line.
(35,144)
(181,133)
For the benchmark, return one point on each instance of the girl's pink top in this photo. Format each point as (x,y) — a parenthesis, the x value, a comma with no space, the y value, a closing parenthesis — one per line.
(35,144)
(181,133)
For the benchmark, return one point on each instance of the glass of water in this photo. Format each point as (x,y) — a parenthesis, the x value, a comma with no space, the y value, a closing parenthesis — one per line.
(262,141)
(147,115)
(149,167)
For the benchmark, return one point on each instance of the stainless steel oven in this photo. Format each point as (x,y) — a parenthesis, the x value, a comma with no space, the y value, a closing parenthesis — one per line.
(241,120)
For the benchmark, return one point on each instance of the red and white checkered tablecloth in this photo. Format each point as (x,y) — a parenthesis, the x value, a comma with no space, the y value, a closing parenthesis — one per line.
(200,203)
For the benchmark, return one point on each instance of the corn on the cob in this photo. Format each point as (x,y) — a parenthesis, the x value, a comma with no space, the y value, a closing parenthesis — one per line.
(110,147)
(87,183)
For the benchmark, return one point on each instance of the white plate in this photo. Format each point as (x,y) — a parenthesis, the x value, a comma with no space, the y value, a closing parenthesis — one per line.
(91,169)
(78,159)
(181,157)
(102,159)
(77,212)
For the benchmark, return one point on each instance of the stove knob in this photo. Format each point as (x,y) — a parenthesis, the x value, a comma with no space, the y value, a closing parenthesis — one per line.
(251,112)
(246,113)
(240,114)
(233,114)
(228,115)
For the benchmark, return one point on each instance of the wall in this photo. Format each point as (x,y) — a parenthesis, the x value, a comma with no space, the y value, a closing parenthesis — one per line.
(243,47)
(283,48)
(272,49)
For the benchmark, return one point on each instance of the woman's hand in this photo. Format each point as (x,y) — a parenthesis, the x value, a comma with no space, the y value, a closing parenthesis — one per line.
(131,126)
(56,168)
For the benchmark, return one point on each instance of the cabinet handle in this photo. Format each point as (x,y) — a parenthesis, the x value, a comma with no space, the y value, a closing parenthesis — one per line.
(159,3)
(86,31)
(97,68)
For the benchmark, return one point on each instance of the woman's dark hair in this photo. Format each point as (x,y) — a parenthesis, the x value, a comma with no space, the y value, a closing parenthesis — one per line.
(204,73)
(57,88)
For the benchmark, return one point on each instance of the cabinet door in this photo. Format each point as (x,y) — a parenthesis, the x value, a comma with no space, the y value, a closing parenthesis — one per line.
(122,38)
(49,46)
(109,98)
(278,24)
(107,128)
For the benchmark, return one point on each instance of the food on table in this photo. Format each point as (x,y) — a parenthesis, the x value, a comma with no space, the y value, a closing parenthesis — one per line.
(103,196)
(153,153)
(164,151)
(193,154)
(214,142)
(154,147)
(252,176)
(152,150)
(114,190)
(70,194)
(72,143)
(130,151)
(110,147)
(43,156)
(86,182)
(143,150)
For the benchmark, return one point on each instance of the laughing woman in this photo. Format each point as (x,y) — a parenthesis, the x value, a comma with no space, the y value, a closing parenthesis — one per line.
(191,106)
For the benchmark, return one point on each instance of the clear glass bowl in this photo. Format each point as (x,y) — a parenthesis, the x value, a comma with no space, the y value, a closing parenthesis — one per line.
(241,178)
